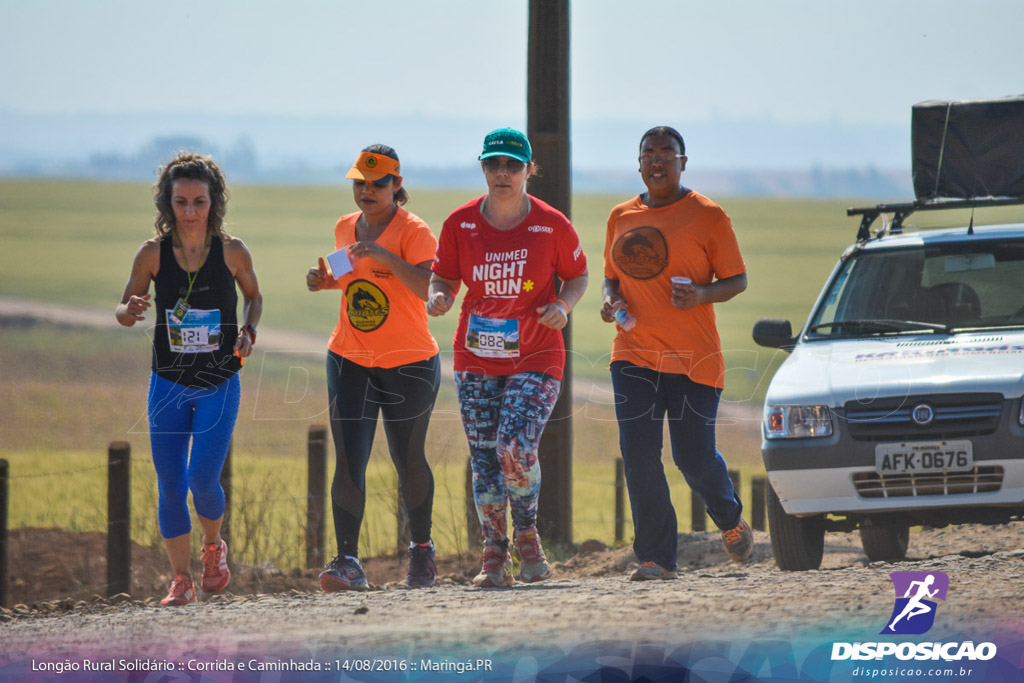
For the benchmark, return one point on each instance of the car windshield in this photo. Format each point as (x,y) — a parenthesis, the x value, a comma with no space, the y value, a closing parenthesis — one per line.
(939,288)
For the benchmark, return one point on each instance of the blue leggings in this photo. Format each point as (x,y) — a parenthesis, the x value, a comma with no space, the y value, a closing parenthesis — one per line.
(644,398)
(206,417)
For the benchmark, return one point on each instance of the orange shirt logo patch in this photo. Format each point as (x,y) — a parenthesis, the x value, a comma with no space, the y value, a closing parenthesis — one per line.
(368,306)
(641,253)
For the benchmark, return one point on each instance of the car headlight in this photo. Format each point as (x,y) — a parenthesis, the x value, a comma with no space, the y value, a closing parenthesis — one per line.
(797,422)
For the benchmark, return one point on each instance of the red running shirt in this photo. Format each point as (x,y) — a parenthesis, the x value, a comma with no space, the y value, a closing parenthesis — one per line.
(508,275)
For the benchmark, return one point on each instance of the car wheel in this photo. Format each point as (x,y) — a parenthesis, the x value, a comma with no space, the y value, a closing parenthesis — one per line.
(884,543)
(798,543)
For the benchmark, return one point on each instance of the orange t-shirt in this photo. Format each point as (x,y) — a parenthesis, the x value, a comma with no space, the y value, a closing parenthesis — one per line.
(383,323)
(644,248)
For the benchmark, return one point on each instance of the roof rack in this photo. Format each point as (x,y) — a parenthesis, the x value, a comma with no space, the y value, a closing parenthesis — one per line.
(901,211)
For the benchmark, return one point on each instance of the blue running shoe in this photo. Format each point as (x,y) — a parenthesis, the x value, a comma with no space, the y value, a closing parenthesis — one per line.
(422,570)
(343,573)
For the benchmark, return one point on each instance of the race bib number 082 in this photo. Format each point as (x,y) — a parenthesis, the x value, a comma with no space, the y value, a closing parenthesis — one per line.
(492,337)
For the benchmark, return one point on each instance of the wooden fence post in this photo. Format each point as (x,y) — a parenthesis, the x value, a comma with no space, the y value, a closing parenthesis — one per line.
(697,512)
(4,490)
(316,495)
(119,513)
(620,500)
(225,483)
(758,502)
(403,536)
(474,535)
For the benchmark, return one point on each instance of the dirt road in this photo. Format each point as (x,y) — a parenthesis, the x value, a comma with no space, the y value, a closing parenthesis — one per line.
(588,608)
(587,618)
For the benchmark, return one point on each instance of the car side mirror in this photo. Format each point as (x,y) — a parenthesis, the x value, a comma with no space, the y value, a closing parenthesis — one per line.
(774,333)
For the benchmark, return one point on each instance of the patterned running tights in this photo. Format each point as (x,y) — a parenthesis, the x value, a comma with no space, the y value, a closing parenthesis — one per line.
(504,417)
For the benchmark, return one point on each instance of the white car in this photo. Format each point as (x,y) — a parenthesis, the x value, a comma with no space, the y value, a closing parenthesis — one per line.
(901,402)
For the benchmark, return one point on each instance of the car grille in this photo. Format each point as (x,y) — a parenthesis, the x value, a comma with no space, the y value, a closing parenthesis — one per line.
(956,415)
(982,479)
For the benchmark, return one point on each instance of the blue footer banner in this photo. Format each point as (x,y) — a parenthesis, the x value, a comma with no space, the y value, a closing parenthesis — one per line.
(953,658)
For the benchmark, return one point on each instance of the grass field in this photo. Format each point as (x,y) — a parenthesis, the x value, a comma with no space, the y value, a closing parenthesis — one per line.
(75,390)
(68,490)
(79,389)
(74,243)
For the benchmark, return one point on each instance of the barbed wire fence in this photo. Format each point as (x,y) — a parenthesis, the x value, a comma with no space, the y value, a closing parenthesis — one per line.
(250,500)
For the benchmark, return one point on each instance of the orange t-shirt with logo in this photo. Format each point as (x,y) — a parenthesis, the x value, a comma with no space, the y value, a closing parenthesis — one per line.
(383,323)
(644,248)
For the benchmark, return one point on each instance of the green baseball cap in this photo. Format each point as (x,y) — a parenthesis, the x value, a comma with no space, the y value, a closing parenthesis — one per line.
(507,142)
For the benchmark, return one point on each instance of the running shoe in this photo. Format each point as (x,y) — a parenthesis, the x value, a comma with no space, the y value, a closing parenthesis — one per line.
(182,592)
(422,570)
(343,573)
(739,541)
(216,575)
(535,565)
(652,571)
(496,571)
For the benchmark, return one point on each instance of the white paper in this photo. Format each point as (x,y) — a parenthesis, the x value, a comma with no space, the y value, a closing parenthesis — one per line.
(339,263)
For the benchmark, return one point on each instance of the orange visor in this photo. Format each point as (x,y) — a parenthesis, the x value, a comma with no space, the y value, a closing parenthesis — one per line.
(370,166)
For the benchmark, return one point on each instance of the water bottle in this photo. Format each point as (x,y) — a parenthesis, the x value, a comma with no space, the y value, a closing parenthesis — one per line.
(625,319)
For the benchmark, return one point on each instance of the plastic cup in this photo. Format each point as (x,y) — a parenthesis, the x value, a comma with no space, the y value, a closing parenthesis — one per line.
(681,280)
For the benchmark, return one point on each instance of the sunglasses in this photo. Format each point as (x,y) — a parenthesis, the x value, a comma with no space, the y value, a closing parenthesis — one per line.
(382,182)
(650,157)
(496,164)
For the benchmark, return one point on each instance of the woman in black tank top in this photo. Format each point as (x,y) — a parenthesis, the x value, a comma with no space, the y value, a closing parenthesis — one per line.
(198,348)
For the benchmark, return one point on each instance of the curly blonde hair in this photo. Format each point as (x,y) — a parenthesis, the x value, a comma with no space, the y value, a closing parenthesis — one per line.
(193,167)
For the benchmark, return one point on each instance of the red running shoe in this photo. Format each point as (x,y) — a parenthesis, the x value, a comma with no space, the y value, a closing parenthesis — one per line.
(496,571)
(216,575)
(182,592)
(535,565)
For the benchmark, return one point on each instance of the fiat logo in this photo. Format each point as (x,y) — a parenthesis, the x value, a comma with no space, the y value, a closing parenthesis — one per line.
(922,414)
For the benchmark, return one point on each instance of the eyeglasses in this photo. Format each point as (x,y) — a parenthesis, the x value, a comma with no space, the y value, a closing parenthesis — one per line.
(649,157)
(497,164)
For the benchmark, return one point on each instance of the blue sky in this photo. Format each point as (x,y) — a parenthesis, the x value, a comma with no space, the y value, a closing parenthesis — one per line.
(679,62)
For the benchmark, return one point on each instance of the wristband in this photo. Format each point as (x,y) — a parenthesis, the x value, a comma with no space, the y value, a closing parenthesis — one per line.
(252,333)
(559,301)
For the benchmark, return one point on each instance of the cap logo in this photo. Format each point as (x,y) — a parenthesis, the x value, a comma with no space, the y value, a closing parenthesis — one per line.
(371,162)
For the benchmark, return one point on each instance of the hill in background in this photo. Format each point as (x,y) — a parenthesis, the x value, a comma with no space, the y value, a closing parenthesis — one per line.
(726,157)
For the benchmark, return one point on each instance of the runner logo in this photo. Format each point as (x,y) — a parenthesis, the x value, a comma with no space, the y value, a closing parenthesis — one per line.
(916,595)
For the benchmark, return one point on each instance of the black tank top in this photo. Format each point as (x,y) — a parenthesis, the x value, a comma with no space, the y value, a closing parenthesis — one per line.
(200,351)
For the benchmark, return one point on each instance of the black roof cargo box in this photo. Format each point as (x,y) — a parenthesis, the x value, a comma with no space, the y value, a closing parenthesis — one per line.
(968,149)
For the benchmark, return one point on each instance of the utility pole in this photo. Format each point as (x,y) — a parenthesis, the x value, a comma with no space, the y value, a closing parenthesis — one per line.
(547,126)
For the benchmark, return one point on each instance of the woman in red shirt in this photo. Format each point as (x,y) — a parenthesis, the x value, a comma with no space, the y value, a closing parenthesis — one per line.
(507,247)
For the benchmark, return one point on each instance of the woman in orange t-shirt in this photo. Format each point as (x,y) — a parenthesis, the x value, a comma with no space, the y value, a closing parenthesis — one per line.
(670,253)
(381,359)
